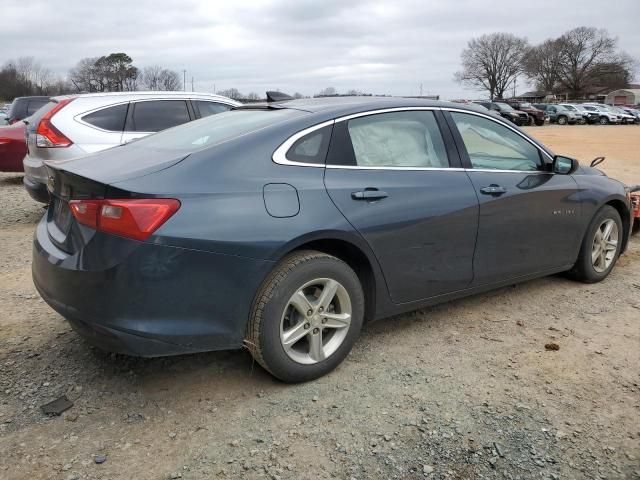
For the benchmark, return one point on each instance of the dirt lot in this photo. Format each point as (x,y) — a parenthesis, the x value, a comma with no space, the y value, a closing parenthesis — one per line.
(464,390)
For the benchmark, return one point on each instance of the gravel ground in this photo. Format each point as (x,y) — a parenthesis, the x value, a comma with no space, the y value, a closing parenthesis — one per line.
(464,390)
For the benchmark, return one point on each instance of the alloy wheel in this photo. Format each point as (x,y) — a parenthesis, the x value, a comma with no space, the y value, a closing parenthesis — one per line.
(315,321)
(605,246)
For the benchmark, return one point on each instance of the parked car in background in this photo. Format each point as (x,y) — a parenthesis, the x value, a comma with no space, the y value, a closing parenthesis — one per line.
(625,117)
(12,147)
(605,117)
(73,126)
(506,111)
(23,107)
(583,116)
(4,114)
(282,228)
(634,112)
(589,116)
(559,114)
(536,116)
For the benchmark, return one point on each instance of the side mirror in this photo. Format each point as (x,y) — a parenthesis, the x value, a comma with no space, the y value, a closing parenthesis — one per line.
(564,165)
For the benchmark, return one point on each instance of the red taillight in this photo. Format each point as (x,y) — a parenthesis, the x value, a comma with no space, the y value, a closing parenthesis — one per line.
(47,135)
(137,218)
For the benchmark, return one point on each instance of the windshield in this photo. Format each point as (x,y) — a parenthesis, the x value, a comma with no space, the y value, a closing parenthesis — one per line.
(525,105)
(504,107)
(215,129)
(560,108)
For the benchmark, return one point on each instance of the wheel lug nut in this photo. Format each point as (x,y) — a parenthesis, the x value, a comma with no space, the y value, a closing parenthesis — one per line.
(315,330)
(324,320)
(309,313)
(306,326)
(321,309)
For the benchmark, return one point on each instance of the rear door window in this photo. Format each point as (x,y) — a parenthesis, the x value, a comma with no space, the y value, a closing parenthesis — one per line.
(204,108)
(156,115)
(398,139)
(110,118)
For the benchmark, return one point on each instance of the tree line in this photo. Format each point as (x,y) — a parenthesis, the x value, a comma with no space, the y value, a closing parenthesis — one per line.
(571,64)
(109,73)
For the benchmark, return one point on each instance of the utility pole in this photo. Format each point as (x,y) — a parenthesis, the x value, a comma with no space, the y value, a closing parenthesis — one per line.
(515,79)
(421,89)
(184,80)
(192,84)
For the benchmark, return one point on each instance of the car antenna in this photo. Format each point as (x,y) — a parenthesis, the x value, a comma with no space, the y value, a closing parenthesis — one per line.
(273,96)
(597,161)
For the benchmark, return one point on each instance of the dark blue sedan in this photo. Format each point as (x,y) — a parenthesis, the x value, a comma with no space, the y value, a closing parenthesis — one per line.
(284,227)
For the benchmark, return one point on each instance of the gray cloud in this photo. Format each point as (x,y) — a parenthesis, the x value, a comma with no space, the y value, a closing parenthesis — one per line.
(298,45)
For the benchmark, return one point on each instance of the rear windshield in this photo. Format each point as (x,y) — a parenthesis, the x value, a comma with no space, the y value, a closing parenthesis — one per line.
(215,129)
(524,105)
(505,107)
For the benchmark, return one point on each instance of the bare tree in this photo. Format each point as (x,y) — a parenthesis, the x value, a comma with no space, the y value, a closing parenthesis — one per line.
(297,95)
(492,62)
(170,80)
(150,77)
(233,93)
(157,78)
(542,64)
(582,50)
(327,92)
(252,96)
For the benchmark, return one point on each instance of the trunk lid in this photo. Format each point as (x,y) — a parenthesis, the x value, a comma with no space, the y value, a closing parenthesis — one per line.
(91,177)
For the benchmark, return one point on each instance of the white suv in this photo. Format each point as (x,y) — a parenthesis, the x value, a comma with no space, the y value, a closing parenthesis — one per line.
(606,116)
(75,125)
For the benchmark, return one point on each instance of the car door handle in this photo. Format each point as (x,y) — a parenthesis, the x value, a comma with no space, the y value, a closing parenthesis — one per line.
(369,194)
(493,190)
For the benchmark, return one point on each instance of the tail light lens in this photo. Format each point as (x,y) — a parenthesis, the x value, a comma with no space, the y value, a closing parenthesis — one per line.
(137,218)
(47,135)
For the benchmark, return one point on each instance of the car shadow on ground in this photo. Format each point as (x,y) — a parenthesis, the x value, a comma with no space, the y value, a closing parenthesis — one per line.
(11,180)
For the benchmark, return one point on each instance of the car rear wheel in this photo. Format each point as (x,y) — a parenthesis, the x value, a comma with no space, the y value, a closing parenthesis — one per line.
(604,120)
(600,247)
(562,120)
(306,317)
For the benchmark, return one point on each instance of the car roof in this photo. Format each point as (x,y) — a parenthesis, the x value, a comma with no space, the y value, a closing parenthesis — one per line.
(146,94)
(336,106)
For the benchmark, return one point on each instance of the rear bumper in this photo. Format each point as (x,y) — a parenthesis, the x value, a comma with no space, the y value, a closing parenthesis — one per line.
(38,191)
(146,299)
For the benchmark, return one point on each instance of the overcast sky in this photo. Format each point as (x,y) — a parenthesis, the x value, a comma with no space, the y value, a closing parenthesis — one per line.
(298,45)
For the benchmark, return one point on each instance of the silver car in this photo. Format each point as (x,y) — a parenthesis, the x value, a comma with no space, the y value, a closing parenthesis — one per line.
(76,125)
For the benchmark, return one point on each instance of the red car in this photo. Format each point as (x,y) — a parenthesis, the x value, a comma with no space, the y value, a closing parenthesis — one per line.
(12,147)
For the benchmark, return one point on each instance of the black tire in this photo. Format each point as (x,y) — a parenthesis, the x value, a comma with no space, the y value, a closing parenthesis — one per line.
(562,120)
(263,331)
(603,121)
(635,229)
(539,123)
(583,270)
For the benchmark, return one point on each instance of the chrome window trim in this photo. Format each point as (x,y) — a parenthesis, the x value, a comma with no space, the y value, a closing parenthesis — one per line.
(280,155)
(419,169)
(384,110)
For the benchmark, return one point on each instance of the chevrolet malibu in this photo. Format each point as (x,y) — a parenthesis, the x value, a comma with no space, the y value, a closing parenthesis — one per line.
(284,227)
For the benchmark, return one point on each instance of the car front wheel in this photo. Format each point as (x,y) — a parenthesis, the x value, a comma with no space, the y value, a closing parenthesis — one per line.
(562,120)
(604,120)
(600,247)
(306,316)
